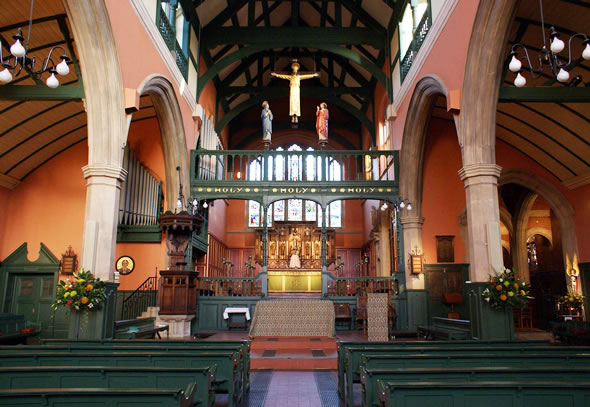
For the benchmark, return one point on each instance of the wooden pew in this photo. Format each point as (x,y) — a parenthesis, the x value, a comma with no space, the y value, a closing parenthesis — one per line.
(139,328)
(141,397)
(244,360)
(45,377)
(242,347)
(446,329)
(227,379)
(355,357)
(16,329)
(484,393)
(369,377)
(361,347)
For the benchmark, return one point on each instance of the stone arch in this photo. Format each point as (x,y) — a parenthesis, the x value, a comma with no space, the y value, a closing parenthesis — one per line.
(106,124)
(555,199)
(483,73)
(172,133)
(411,160)
(540,231)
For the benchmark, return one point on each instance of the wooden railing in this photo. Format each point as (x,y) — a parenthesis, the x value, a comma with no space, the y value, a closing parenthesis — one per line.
(229,287)
(292,166)
(351,286)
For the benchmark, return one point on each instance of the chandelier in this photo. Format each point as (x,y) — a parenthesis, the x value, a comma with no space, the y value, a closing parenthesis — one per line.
(17,60)
(549,57)
(397,205)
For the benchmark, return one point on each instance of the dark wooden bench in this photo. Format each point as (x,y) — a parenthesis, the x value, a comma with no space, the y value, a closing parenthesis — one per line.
(140,397)
(228,378)
(572,332)
(243,346)
(139,328)
(446,329)
(14,329)
(349,353)
(484,393)
(45,377)
(369,377)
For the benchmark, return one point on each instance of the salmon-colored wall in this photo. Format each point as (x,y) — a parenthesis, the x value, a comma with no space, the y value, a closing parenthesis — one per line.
(508,157)
(217,219)
(443,193)
(446,60)
(146,143)
(139,58)
(48,206)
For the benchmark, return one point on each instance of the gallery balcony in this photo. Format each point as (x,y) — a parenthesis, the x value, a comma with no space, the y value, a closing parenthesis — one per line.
(268,175)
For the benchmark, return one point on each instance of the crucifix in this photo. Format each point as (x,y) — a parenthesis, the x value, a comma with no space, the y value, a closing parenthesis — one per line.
(295,79)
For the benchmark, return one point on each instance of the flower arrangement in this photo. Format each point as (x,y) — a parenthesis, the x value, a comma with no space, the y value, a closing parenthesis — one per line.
(570,303)
(507,291)
(82,293)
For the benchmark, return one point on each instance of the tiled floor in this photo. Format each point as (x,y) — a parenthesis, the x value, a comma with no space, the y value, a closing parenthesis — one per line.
(293,389)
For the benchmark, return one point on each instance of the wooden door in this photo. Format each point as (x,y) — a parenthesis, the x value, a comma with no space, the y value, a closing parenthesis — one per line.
(33,296)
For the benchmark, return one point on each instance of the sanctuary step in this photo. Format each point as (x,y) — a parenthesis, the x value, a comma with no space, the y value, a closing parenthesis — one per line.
(293,353)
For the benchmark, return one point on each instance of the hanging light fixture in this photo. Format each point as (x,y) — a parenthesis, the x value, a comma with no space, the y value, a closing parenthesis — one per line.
(397,205)
(18,60)
(548,57)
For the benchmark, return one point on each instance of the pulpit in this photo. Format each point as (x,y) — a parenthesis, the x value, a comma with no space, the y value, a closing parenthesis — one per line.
(178,293)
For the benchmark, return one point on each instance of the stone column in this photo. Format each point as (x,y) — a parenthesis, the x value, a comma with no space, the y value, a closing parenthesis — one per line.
(417,297)
(412,231)
(485,250)
(103,190)
(483,219)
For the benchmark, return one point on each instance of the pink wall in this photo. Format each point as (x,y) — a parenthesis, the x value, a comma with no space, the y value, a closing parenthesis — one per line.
(139,58)
(48,207)
(446,60)
(443,198)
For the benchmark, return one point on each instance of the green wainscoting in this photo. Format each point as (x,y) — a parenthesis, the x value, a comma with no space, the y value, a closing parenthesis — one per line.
(447,275)
(28,288)
(487,322)
(210,311)
(417,308)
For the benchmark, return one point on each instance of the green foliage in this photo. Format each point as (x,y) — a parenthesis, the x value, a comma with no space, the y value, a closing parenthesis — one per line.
(83,292)
(506,290)
(571,303)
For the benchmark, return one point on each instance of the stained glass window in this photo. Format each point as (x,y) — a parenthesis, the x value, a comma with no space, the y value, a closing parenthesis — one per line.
(279,210)
(295,209)
(253,214)
(336,214)
(310,210)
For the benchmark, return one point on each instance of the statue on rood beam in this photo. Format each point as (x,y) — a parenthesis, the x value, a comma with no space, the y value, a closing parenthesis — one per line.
(295,79)
(266,116)
(321,123)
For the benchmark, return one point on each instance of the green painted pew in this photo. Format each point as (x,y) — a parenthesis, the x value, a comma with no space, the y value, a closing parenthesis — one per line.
(245,344)
(145,346)
(369,377)
(342,346)
(227,380)
(350,373)
(484,394)
(99,397)
(45,377)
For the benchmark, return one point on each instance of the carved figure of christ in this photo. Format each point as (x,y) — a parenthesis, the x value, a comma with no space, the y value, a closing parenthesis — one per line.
(295,79)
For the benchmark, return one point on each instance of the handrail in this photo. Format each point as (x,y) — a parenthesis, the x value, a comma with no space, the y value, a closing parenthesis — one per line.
(229,286)
(333,166)
(351,286)
(146,295)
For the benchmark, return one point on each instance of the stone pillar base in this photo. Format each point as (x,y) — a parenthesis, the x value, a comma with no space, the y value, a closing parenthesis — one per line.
(179,325)
(487,322)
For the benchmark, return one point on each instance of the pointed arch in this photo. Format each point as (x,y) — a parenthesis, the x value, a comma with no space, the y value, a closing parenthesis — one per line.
(172,132)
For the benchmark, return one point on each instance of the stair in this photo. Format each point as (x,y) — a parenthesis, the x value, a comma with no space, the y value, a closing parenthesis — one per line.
(293,353)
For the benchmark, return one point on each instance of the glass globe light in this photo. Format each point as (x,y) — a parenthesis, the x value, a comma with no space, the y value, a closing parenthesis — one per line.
(52,81)
(5,76)
(402,204)
(586,53)
(520,81)
(62,68)
(17,49)
(563,75)
(515,64)
(557,45)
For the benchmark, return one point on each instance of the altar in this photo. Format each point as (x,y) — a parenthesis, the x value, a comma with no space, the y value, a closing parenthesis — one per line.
(308,281)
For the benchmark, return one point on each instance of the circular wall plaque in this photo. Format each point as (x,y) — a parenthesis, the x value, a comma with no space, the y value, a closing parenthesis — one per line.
(125,265)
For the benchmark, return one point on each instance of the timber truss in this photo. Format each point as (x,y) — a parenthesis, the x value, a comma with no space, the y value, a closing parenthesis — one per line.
(268,176)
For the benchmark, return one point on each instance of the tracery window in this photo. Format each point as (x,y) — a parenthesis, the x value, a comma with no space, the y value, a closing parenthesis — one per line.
(295,210)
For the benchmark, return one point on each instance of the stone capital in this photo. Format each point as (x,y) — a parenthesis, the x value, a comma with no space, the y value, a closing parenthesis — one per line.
(473,174)
(104,170)
(416,221)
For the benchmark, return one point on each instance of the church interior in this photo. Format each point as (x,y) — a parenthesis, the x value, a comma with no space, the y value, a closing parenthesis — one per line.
(294,202)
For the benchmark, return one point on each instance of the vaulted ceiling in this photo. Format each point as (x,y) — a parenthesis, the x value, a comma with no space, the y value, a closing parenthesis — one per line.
(242,41)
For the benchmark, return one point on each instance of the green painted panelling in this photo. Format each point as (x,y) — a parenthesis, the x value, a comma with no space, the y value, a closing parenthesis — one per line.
(41,92)
(436,307)
(417,308)
(487,322)
(210,311)
(139,234)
